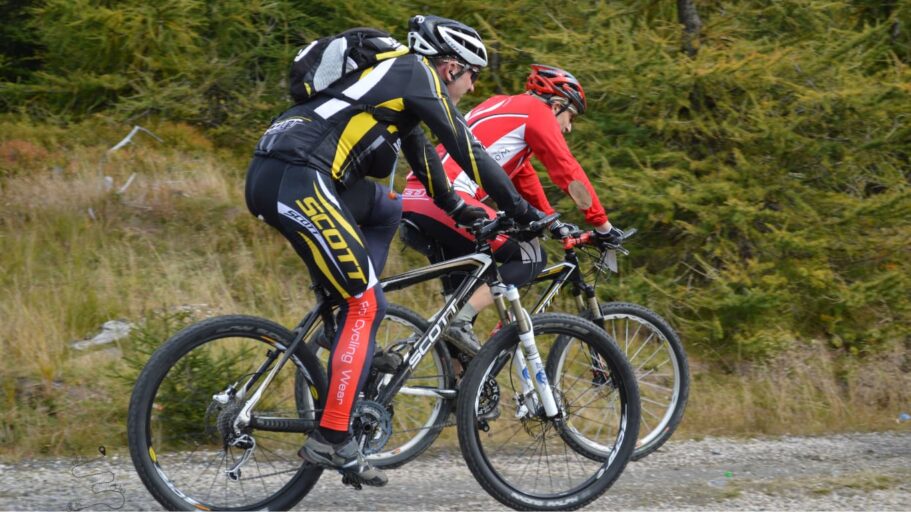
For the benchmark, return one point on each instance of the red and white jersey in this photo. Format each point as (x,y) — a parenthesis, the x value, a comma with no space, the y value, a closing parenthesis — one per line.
(512,128)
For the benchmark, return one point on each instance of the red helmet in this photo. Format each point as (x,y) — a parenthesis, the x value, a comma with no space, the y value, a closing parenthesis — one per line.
(548,81)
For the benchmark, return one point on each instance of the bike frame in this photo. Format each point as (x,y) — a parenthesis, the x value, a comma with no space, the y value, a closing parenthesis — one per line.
(482,268)
(561,273)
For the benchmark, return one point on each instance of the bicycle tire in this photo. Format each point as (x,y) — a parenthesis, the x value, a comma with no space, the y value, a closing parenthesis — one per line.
(147,456)
(663,403)
(404,448)
(494,471)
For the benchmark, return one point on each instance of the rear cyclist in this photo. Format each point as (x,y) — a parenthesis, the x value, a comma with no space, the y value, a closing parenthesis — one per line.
(513,128)
(318,152)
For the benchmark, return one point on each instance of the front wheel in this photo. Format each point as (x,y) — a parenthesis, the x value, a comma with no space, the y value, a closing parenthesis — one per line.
(180,425)
(520,456)
(656,354)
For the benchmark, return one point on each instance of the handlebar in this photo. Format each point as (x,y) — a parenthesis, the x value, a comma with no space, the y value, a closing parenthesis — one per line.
(588,238)
(486,230)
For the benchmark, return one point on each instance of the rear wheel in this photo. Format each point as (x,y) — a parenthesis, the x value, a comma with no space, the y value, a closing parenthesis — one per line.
(180,425)
(526,460)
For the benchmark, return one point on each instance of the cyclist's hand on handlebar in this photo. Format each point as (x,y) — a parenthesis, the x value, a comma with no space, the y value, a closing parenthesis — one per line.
(530,215)
(613,237)
(560,230)
(467,215)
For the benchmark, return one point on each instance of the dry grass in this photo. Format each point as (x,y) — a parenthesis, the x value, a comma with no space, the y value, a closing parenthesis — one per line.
(75,252)
(807,390)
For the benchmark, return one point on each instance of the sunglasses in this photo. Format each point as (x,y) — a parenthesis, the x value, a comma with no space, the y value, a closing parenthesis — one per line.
(474,70)
(567,107)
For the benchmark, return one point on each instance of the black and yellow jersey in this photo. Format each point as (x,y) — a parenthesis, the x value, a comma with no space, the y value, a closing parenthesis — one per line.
(358,128)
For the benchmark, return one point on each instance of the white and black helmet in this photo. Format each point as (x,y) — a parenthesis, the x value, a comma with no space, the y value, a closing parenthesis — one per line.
(433,36)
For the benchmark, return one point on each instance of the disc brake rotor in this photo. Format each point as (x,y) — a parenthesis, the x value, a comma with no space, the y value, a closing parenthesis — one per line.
(490,397)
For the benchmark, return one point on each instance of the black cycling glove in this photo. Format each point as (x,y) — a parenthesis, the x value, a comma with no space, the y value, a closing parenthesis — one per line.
(612,237)
(465,215)
(530,215)
(560,230)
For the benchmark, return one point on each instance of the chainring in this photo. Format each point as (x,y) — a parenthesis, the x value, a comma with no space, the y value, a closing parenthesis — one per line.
(372,426)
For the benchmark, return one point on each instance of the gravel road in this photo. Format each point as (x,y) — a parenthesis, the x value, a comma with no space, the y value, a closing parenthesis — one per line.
(845,472)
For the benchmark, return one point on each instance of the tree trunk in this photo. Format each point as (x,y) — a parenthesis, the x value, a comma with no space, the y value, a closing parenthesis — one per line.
(689,18)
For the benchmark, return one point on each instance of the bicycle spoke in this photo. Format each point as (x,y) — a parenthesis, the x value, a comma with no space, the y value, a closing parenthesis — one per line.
(260,474)
(199,475)
(655,386)
(642,345)
(650,401)
(279,456)
(657,351)
(214,478)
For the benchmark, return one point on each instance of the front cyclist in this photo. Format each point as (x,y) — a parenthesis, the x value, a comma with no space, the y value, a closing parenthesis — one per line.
(315,151)
(513,128)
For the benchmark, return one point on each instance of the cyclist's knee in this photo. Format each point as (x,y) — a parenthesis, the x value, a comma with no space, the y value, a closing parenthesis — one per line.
(387,207)
(368,302)
(380,298)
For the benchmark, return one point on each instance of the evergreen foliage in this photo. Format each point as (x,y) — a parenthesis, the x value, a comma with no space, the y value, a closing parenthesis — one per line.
(768,174)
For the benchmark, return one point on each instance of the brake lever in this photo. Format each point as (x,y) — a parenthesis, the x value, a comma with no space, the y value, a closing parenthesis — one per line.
(616,248)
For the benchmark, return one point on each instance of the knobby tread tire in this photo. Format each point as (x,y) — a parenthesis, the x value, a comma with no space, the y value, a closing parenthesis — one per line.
(507,338)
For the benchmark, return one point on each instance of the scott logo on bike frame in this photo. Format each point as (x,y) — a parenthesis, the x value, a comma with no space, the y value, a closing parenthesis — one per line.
(432,335)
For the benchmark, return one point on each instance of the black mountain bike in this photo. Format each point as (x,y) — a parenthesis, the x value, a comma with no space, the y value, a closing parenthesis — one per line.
(650,344)
(217,414)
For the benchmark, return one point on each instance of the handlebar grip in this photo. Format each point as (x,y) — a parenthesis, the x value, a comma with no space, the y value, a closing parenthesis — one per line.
(539,225)
(483,229)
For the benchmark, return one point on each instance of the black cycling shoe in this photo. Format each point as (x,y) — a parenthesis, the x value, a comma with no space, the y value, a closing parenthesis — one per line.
(345,457)
(461,335)
(387,362)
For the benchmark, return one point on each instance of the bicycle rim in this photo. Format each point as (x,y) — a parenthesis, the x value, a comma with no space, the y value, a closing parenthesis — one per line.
(660,373)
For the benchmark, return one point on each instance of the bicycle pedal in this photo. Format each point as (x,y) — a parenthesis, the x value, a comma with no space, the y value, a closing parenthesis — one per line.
(351,480)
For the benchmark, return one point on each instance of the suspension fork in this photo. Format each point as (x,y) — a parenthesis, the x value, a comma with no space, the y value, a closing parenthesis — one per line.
(529,368)
(587,301)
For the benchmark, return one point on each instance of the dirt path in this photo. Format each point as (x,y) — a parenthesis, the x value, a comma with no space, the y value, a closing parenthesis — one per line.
(855,471)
